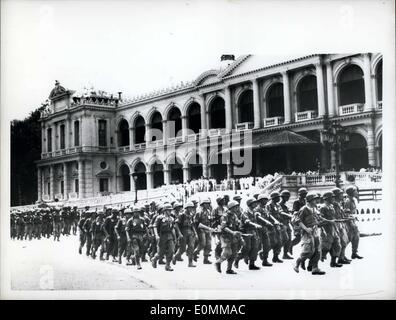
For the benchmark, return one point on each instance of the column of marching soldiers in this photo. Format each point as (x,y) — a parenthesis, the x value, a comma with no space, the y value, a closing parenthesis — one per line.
(164,232)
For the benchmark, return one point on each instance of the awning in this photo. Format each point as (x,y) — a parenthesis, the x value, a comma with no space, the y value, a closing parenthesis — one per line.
(271,139)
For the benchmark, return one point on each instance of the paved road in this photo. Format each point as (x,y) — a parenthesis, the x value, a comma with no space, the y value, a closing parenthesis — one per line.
(45,264)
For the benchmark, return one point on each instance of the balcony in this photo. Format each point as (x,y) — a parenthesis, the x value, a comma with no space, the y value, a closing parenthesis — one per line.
(155,144)
(274,121)
(140,146)
(379,105)
(306,115)
(73,150)
(351,108)
(175,140)
(244,126)
(124,149)
(216,132)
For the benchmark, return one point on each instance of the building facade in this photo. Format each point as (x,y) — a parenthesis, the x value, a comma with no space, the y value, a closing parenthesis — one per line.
(96,144)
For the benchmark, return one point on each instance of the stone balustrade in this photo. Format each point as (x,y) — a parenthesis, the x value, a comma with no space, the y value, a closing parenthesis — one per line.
(351,108)
(305,115)
(274,121)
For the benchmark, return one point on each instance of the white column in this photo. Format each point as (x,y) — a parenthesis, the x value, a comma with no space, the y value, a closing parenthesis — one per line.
(149,179)
(165,131)
(256,104)
(132,182)
(67,134)
(330,90)
(367,83)
(320,90)
(65,181)
(80,179)
(286,96)
(204,124)
(371,145)
(185,174)
(184,127)
(52,183)
(205,170)
(167,177)
(39,184)
(228,109)
(131,138)
(148,133)
(229,169)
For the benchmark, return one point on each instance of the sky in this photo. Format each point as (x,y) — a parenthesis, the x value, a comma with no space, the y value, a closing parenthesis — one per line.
(139,46)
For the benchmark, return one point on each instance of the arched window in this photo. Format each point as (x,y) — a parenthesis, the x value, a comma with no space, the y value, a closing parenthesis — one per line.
(245,107)
(355,154)
(156,126)
(307,95)
(125,180)
(194,117)
(140,130)
(175,122)
(176,170)
(275,103)
(158,174)
(76,133)
(378,78)
(351,85)
(140,173)
(217,114)
(123,133)
(195,167)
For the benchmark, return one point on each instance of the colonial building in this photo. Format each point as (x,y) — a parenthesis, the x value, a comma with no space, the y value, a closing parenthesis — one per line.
(97,144)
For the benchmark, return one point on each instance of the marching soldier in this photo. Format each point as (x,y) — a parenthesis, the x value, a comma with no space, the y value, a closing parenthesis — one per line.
(57,223)
(13,226)
(87,227)
(98,235)
(28,225)
(37,224)
(135,229)
(262,218)
(203,216)
(82,236)
(216,217)
(276,234)
(165,235)
(185,223)
(330,239)
(309,223)
(285,218)
(147,236)
(74,218)
(110,239)
(350,210)
(341,225)
(120,232)
(20,224)
(249,227)
(229,237)
(297,205)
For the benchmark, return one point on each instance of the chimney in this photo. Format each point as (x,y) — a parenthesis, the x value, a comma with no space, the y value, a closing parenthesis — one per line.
(226,60)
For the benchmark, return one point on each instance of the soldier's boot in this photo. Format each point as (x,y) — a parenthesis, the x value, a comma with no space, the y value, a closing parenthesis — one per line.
(246,259)
(139,267)
(317,271)
(356,256)
(79,250)
(334,264)
(144,259)
(195,256)
(190,262)
(266,263)
(236,262)
(218,266)
(174,258)
(343,261)
(161,261)
(297,265)
(154,261)
(261,255)
(119,258)
(107,256)
(133,261)
(286,256)
(276,259)
(168,266)
(324,255)
(303,265)
(229,268)
(93,255)
(309,268)
(179,258)
(252,266)
(101,255)
(206,260)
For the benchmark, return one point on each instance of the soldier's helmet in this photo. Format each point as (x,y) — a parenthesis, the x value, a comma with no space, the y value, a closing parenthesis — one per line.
(127,211)
(189,205)
(237,197)
(100,213)
(232,204)
(206,200)
(251,201)
(312,196)
(350,190)
(327,195)
(219,199)
(336,191)
(285,193)
(167,207)
(302,191)
(262,196)
(274,195)
(177,205)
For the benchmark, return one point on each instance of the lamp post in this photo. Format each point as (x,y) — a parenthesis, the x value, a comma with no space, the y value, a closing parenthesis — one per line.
(135,177)
(335,136)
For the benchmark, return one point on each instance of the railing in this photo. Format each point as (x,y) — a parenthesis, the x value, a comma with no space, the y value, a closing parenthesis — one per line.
(140,146)
(100,101)
(306,115)
(73,195)
(244,126)
(175,140)
(155,144)
(274,121)
(216,132)
(379,105)
(73,150)
(123,149)
(351,108)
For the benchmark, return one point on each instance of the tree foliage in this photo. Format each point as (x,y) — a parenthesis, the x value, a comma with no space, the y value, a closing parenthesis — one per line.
(25,150)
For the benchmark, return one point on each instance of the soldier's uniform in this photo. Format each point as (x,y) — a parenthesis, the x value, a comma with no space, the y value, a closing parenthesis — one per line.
(57,223)
(135,229)
(350,210)
(277,233)
(47,223)
(203,216)
(164,226)
(110,235)
(215,223)
(185,222)
(74,218)
(229,241)
(310,241)
(121,233)
(251,244)
(329,238)
(98,235)
(341,226)
(87,227)
(82,235)
(262,218)
(29,225)
(297,205)
(286,222)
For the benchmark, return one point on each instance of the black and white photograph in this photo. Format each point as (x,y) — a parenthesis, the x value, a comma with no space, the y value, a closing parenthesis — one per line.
(197,150)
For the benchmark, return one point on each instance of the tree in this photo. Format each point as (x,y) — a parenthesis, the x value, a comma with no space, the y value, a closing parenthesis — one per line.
(25,150)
